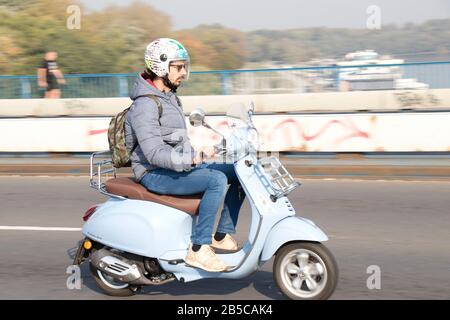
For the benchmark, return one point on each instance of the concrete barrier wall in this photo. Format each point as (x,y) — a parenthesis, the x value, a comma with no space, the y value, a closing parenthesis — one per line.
(265,103)
(357,132)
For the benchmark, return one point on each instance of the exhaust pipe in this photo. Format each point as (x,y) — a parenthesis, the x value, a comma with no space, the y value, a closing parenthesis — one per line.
(117,267)
(124,270)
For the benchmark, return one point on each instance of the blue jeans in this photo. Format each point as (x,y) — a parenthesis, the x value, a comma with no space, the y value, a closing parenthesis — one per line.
(211,180)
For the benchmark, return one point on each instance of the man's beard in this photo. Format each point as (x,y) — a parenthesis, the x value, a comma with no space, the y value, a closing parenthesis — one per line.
(172,86)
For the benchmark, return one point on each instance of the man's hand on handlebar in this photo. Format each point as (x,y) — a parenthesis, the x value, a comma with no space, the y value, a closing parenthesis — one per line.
(202,154)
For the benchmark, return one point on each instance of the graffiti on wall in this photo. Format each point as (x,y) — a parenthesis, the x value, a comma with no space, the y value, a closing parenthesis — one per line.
(410,99)
(413,131)
(284,133)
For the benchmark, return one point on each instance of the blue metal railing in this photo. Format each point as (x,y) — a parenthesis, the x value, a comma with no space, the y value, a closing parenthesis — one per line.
(250,81)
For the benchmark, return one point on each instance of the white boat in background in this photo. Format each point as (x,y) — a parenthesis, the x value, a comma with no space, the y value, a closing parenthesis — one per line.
(371,77)
(407,84)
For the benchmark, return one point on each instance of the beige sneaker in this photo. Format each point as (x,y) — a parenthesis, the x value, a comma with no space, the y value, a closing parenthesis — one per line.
(227,243)
(205,259)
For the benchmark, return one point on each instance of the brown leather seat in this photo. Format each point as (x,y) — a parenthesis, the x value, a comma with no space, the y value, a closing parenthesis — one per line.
(129,188)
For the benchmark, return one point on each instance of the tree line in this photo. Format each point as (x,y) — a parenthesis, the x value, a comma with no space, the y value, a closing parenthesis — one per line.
(113,40)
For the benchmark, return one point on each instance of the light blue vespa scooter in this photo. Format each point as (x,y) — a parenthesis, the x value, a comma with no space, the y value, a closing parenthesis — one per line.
(138,238)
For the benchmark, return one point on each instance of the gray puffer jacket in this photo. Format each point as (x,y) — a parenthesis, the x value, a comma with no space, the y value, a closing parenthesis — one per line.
(161,142)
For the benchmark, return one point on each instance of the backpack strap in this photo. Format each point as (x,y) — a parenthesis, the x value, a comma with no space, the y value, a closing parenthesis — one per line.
(134,147)
(158,103)
(178,101)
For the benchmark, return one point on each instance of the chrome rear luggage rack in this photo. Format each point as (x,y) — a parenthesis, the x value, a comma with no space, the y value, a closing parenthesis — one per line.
(97,173)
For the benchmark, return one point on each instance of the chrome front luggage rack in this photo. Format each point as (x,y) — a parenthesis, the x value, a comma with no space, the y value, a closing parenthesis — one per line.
(277,177)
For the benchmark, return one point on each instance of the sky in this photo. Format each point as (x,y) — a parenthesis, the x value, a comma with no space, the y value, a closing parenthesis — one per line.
(248,15)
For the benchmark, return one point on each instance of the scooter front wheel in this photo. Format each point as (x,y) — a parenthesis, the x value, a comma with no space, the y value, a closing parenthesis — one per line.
(305,271)
(111,286)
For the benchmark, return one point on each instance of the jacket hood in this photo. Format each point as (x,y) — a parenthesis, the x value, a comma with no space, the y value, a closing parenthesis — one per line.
(141,87)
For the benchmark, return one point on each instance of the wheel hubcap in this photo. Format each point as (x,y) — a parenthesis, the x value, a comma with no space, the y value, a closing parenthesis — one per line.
(303,273)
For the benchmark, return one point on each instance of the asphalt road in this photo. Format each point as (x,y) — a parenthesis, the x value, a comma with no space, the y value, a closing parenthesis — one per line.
(400,226)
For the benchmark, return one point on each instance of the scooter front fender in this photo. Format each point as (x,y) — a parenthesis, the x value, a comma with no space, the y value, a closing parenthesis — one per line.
(291,229)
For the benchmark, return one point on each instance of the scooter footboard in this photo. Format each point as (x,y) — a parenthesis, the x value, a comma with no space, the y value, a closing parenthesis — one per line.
(291,229)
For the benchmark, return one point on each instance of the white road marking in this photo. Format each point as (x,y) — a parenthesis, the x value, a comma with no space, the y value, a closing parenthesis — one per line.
(33,228)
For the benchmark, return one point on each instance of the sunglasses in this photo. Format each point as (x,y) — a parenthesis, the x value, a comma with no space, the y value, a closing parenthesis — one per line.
(179,66)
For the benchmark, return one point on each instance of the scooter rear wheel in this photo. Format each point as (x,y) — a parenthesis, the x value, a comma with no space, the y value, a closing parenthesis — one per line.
(110,286)
(305,271)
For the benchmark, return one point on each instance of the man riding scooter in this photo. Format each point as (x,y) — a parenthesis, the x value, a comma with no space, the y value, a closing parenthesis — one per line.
(139,237)
(164,162)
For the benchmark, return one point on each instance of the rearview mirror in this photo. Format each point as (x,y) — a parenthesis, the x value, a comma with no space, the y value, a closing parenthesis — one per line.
(251,108)
(197,117)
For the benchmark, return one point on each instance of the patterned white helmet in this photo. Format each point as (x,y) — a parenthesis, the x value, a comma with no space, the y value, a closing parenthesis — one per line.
(161,52)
